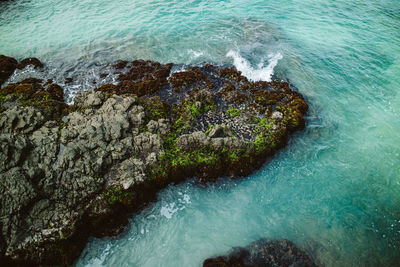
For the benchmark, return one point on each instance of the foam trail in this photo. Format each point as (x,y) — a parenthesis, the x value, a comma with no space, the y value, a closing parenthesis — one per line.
(195,54)
(263,73)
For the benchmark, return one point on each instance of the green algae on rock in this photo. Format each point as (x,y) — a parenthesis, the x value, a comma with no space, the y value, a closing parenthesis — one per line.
(116,147)
(30,92)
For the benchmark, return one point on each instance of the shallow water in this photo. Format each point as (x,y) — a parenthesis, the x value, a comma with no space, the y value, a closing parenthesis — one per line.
(334,190)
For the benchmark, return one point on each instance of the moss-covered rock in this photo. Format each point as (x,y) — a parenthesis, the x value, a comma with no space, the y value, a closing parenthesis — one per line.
(119,145)
(232,74)
(143,78)
(30,92)
(192,76)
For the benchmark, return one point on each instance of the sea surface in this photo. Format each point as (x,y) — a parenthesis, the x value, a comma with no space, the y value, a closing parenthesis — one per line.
(334,190)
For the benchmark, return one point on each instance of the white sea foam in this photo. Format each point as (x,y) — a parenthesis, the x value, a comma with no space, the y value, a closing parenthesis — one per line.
(142,231)
(186,199)
(168,210)
(261,73)
(171,208)
(99,261)
(195,54)
(177,68)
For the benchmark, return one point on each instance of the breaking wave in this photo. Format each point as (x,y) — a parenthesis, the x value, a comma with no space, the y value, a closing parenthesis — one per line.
(263,72)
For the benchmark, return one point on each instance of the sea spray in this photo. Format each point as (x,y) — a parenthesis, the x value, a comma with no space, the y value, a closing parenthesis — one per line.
(263,72)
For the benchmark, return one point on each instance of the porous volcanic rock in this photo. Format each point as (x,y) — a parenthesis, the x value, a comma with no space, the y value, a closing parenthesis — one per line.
(70,172)
(263,253)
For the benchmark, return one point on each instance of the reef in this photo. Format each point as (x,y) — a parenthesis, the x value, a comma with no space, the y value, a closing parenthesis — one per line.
(71,172)
(262,253)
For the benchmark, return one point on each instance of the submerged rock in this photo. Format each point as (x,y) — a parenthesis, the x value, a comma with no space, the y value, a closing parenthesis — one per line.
(263,253)
(70,172)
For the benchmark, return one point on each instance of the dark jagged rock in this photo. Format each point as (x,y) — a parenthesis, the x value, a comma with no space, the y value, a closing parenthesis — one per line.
(49,81)
(121,64)
(188,78)
(9,64)
(56,91)
(30,93)
(76,171)
(30,61)
(31,81)
(143,78)
(233,74)
(7,67)
(263,253)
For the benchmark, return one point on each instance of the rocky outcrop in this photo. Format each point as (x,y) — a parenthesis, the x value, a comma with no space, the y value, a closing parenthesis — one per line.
(264,252)
(30,61)
(7,67)
(70,172)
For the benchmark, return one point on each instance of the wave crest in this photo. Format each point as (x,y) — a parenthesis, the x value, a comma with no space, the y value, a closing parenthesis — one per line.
(262,73)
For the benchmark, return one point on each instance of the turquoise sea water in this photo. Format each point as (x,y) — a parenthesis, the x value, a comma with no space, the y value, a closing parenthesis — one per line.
(334,190)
